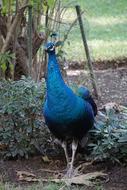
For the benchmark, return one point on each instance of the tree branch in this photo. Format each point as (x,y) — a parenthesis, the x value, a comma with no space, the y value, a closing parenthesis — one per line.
(12,30)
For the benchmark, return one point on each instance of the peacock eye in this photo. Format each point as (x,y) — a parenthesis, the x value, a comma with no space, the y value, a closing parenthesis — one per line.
(51,48)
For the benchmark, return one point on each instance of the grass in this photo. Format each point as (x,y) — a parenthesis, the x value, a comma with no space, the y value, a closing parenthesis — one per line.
(39,186)
(50,186)
(105,23)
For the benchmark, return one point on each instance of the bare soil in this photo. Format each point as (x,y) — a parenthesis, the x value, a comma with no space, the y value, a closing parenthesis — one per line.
(116,178)
(100,64)
(112,83)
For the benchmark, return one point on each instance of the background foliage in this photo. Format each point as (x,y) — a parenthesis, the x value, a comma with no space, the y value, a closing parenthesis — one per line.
(23,132)
(109,138)
(21,127)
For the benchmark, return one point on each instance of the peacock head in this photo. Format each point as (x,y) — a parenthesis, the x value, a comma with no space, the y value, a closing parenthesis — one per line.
(50,47)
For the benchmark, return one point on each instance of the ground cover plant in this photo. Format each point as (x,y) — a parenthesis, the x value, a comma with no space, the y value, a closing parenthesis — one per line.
(20,117)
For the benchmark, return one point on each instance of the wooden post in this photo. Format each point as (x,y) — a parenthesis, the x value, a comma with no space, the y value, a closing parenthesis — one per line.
(30,38)
(89,62)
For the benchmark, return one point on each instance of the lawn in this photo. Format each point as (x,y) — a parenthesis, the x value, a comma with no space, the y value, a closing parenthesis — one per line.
(40,186)
(32,187)
(105,23)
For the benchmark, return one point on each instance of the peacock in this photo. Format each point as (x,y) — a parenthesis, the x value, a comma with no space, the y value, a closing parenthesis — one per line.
(67,115)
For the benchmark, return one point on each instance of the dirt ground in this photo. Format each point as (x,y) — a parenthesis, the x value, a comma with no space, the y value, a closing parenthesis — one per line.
(112,84)
(116,175)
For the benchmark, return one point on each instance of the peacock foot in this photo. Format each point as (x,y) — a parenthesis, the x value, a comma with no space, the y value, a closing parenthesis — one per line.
(70,172)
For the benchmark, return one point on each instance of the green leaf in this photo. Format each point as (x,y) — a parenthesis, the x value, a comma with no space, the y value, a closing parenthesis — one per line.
(3,67)
(29,129)
(14,153)
(21,152)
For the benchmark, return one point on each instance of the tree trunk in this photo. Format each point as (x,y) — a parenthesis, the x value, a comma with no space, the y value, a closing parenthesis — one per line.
(21,51)
(22,67)
(1,41)
(10,33)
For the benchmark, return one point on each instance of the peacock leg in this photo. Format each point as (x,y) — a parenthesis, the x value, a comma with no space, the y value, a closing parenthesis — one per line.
(74,148)
(64,146)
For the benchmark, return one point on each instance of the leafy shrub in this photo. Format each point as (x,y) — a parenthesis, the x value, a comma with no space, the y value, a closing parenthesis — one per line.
(109,138)
(5,59)
(22,130)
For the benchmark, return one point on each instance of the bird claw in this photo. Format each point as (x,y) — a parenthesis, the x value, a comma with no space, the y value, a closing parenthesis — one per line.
(70,173)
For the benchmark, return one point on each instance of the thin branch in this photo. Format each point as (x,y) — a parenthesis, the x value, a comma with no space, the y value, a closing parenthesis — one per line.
(56,20)
(70,28)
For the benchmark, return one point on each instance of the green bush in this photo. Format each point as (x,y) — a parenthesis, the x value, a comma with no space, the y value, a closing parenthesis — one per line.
(5,59)
(22,129)
(109,139)
(23,132)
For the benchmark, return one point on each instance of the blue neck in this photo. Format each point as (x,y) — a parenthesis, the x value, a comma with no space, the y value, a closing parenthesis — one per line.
(57,90)
(54,77)
(62,105)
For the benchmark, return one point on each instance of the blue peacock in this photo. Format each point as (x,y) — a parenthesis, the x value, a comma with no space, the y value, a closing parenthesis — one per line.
(67,115)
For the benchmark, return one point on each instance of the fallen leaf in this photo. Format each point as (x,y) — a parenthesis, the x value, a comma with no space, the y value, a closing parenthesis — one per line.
(84,179)
(26,176)
(83,165)
(45,159)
